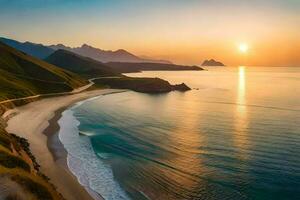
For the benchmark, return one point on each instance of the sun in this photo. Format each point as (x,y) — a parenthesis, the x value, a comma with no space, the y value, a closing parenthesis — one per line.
(243,47)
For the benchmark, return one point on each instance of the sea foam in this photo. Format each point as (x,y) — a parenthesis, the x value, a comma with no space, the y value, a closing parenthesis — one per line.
(90,170)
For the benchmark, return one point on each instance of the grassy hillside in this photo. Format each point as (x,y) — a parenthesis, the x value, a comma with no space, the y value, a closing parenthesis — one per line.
(20,177)
(22,75)
(78,64)
(124,67)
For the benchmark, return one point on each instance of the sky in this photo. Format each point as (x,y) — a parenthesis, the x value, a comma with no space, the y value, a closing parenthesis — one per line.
(183,31)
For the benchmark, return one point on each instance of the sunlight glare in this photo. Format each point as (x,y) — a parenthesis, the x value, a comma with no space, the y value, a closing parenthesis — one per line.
(243,47)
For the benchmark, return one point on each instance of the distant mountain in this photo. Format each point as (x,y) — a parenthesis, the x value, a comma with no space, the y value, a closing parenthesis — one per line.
(22,75)
(120,55)
(212,62)
(123,67)
(37,50)
(84,66)
(41,51)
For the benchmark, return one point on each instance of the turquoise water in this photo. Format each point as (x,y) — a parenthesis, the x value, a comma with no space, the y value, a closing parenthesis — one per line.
(236,135)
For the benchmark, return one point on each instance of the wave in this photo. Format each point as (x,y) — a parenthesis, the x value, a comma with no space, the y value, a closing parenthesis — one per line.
(91,172)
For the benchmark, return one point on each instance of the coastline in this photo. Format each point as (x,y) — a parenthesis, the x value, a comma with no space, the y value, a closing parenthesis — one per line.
(38,122)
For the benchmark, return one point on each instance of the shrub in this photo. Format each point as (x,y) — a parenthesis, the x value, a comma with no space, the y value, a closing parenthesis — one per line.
(10,161)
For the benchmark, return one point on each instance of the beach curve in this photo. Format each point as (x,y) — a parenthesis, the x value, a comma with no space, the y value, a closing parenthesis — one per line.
(37,122)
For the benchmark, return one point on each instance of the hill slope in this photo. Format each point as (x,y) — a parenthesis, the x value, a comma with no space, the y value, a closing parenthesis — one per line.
(36,50)
(20,177)
(78,64)
(22,75)
(137,67)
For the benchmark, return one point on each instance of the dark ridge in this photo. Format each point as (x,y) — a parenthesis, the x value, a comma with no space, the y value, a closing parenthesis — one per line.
(126,67)
(80,65)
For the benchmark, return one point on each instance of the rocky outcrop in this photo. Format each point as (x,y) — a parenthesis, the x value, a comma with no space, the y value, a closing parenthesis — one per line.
(181,87)
(212,62)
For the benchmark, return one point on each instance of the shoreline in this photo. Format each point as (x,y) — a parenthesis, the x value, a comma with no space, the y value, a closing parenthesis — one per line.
(38,122)
(58,151)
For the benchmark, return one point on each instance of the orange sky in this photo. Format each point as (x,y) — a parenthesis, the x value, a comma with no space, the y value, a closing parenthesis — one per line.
(185,32)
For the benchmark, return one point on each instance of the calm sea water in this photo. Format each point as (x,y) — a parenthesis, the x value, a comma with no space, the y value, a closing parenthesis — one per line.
(236,135)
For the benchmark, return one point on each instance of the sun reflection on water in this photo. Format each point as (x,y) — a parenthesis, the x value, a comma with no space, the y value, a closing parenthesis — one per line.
(241,121)
(241,86)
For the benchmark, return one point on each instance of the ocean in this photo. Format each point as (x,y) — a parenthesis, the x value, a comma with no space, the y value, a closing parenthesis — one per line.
(236,135)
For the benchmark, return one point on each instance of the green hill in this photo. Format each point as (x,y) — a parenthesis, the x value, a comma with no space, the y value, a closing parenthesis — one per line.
(81,65)
(22,75)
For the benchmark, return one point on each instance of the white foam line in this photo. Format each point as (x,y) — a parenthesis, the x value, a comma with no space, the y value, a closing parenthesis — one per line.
(82,161)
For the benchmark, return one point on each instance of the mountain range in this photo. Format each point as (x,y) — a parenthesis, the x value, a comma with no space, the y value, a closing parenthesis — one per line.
(37,50)
(42,51)
(89,67)
(120,55)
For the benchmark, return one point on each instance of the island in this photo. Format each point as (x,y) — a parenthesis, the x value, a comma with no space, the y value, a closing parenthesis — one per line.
(212,62)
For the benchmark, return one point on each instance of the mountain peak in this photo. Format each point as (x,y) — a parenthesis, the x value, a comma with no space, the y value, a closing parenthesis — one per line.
(121,50)
(60,45)
(86,46)
(124,52)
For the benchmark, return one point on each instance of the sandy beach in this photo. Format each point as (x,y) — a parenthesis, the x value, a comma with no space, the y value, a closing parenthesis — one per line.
(37,122)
